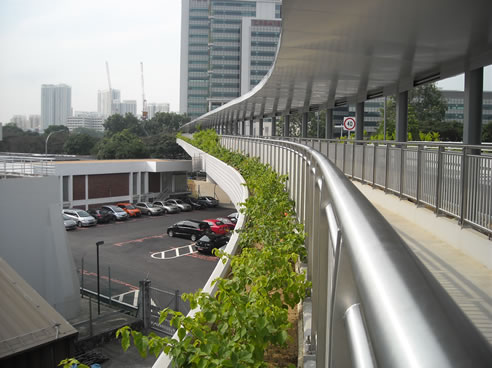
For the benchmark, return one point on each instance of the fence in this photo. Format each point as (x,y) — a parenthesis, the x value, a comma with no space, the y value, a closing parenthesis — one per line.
(373,301)
(26,166)
(452,179)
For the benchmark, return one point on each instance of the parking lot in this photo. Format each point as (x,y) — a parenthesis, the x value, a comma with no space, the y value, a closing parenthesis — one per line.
(140,248)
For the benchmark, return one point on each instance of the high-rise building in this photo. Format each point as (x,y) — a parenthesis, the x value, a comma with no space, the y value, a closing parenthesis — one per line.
(455,101)
(226,48)
(83,119)
(154,108)
(56,104)
(20,121)
(128,106)
(106,105)
(34,122)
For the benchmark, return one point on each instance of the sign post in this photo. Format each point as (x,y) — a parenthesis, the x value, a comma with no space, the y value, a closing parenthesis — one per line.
(349,124)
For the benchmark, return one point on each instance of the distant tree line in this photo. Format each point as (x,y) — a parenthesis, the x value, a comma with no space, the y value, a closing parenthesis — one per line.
(123,137)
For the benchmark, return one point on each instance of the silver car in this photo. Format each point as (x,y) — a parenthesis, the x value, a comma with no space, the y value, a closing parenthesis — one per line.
(168,208)
(179,203)
(80,217)
(118,213)
(149,209)
(69,223)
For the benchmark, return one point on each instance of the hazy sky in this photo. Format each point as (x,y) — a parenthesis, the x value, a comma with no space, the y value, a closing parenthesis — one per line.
(67,41)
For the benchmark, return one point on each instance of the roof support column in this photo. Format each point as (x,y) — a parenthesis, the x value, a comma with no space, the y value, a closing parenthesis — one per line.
(329,124)
(274,126)
(359,118)
(251,126)
(304,127)
(286,125)
(234,127)
(402,117)
(243,127)
(472,125)
(260,127)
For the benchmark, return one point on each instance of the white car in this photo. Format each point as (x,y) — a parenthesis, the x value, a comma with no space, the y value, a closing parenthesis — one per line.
(168,208)
(180,204)
(81,217)
(149,209)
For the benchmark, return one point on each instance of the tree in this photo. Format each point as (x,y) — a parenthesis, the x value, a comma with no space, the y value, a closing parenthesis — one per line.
(165,146)
(55,128)
(92,132)
(487,132)
(80,144)
(122,145)
(117,123)
(165,122)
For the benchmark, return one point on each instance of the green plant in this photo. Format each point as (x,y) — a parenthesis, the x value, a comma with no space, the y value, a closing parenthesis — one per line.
(249,312)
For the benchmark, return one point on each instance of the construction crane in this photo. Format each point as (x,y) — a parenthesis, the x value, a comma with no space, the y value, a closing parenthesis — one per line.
(110,89)
(144,101)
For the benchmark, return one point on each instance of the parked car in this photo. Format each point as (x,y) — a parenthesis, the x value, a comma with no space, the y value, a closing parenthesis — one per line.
(130,209)
(233,216)
(117,213)
(102,216)
(69,223)
(193,203)
(208,201)
(149,209)
(168,208)
(189,228)
(210,241)
(217,226)
(180,204)
(81,217)
(231,225)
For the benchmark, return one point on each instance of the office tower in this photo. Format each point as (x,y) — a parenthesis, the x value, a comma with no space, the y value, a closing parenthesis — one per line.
(34,122)
(56,104)
(128,106)
(83,119)
(154,108)
(107,106)
(20,121)
(226,48)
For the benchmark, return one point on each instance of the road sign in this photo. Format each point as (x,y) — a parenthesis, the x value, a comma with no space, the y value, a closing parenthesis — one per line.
(349,124)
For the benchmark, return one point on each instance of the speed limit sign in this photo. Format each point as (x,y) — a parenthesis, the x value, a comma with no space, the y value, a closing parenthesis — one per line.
(349,124)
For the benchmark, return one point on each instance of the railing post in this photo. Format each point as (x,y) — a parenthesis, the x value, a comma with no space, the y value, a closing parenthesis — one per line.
(374,165)
(419,174)
(386,167)
(343,156)
(145,304)
(363,163)
(464,186)
(402,169)
(353,160)
(440,152)
(176,300)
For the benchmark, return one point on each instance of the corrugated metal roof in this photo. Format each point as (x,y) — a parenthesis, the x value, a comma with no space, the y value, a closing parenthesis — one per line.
(26,319)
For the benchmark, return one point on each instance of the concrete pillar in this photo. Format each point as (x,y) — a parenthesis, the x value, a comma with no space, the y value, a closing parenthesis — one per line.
(329,124)
(86,191)
(472,125)
(401,134)
(260,127)
(304,127)
(234,127)
(274,128)
(359,119)
(243,128)
(286,125)
(251,126)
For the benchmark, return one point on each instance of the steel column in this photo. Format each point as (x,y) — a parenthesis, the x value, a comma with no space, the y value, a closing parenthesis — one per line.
(359,119)
(402,117)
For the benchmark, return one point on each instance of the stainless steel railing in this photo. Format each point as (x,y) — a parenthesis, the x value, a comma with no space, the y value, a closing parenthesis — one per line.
(451,178)
(373,302)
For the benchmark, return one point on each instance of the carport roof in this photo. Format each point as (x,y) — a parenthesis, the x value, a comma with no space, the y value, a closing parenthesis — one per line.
(345,51)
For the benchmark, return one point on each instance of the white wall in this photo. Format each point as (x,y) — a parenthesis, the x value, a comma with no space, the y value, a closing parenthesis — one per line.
(34,240)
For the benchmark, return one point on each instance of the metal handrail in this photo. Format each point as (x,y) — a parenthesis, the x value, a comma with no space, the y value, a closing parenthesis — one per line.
(26,166)
(372,297)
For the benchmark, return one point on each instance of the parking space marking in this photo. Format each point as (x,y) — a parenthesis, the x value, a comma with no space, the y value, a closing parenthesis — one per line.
(94,274)
(175,252)
(140,240)
(120,298)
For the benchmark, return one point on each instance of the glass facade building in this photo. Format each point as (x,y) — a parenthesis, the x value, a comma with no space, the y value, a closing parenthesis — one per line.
(219,45)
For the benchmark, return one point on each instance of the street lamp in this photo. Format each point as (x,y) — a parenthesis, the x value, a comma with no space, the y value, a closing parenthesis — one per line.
(48,137)
(98,291)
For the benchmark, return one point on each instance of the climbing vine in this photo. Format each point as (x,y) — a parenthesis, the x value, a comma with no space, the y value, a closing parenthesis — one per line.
(249,312)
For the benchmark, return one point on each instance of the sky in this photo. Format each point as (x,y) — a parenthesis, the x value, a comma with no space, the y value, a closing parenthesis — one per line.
(69,41)
(66,41)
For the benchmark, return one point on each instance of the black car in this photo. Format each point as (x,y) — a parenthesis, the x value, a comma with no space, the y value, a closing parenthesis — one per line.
(102,216)
(193,203)
(189,228)
(210,241)
(208,201)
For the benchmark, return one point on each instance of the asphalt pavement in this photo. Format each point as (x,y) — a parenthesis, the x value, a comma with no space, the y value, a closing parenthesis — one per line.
(138,249)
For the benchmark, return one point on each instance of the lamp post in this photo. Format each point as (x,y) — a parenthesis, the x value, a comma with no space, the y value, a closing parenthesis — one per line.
(46,142)
(98,291)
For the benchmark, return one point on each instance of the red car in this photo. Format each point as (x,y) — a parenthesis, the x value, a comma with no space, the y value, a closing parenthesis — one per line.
(231,225)
(217,226)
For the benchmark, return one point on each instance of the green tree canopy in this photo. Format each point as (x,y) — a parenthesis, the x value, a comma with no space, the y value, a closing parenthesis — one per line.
(91,132)
(122,145)
(80,144)
(165,122)
(55,128)
(487,132)
(117,123)
(165,146)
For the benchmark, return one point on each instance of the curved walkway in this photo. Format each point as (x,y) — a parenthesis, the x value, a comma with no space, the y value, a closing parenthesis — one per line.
(468,281)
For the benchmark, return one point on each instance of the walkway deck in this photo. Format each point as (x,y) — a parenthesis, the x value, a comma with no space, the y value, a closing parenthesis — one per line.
(468,281)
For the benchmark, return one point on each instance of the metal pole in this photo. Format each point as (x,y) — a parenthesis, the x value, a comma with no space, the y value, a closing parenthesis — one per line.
(82,276)
(98,289)
(176,300)
(109,283)
(90,315)
(384,119)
